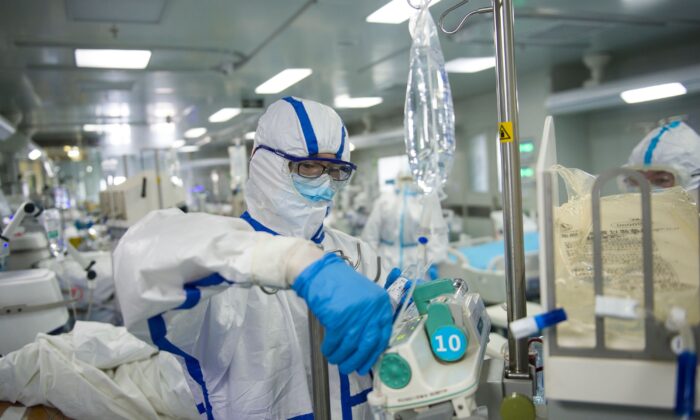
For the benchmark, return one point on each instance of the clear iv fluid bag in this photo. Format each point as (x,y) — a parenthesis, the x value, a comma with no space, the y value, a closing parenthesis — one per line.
(428,113)
(54,231)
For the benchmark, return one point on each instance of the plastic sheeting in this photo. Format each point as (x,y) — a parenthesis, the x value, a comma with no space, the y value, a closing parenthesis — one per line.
(97,371)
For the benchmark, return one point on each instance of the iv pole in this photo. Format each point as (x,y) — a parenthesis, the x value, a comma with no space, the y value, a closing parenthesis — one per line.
(507,97)
(507,91)
(506,88)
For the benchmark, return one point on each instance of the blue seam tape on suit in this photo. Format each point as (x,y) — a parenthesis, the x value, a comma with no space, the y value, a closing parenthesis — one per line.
(306,127)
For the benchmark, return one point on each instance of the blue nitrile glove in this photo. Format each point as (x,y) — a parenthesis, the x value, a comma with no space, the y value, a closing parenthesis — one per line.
(355,312)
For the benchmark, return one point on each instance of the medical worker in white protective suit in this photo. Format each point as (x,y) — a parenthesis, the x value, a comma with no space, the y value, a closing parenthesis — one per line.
(668,156)
(189,282)
(394,226)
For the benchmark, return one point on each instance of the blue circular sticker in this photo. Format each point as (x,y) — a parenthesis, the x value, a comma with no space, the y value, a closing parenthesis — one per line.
(449,343)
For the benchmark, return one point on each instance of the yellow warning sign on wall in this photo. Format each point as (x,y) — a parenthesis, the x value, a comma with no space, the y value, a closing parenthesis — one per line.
(505,131)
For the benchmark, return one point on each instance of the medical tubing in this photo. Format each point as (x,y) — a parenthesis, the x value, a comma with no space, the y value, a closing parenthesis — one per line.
(409,295)
(89,306)
(524,327)
(685,384)
(686,372)
(423,245)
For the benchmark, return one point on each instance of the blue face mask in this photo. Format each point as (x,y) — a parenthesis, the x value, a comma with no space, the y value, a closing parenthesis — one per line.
(315,189)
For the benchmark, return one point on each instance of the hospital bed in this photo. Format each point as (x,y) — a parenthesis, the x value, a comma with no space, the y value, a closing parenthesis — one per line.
(481,264)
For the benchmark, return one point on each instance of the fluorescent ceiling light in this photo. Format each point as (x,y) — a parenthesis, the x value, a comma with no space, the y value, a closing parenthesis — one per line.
(112,59)
(394,12)
(651,93)
(205,140)
(249,135)
(188,149)
(224,114)
(345,101)
(113,110)
(119,180)
(34,154)
(163,110)
(470,65)
(179,143)
(105,128)
(195,132)
(282,81)
(164,90)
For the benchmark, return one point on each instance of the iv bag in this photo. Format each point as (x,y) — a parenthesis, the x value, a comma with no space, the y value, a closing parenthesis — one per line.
(676,269)
(428,113)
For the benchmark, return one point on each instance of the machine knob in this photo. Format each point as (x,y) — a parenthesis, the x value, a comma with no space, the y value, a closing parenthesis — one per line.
(394,371)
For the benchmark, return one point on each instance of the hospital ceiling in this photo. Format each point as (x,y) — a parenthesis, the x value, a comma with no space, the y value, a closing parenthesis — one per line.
(211,54)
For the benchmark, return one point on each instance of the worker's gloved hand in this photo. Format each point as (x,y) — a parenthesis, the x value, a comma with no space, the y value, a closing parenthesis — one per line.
(354,311)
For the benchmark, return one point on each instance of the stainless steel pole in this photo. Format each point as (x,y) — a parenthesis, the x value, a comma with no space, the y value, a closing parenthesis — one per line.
(158,183)
(319,372)
(506,86)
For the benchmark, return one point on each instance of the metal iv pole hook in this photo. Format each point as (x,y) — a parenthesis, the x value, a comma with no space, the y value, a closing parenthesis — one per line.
(479,11)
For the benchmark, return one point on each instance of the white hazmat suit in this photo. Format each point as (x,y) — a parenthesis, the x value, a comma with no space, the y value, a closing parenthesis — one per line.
(246,349)
(673,146)
(394,227)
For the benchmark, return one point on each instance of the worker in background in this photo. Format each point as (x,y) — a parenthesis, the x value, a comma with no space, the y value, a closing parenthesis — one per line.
(229,296)
(394,226)
(669,156)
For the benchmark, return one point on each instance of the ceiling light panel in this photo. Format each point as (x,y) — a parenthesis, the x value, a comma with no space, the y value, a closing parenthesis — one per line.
(345,101)
(282,81)
(112,59)
(394,12)
(188,149)
(470,64)
(652,93)
(224,114)
(195,132)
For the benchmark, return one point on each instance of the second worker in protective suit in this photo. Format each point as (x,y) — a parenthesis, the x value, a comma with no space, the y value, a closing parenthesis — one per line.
(669,156)
(188,283)
(397,221)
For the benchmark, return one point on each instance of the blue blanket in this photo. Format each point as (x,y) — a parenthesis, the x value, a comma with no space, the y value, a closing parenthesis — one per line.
(480,256)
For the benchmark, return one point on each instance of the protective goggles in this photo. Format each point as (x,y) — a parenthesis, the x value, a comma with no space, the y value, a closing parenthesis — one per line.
(658,176)
(313,167)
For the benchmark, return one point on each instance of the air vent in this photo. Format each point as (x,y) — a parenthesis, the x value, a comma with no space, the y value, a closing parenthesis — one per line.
(122,11)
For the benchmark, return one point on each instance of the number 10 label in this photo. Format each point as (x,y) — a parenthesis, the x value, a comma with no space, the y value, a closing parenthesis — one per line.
(449,343)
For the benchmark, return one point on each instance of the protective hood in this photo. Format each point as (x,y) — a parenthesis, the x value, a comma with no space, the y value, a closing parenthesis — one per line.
(674,145)
(298,127)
